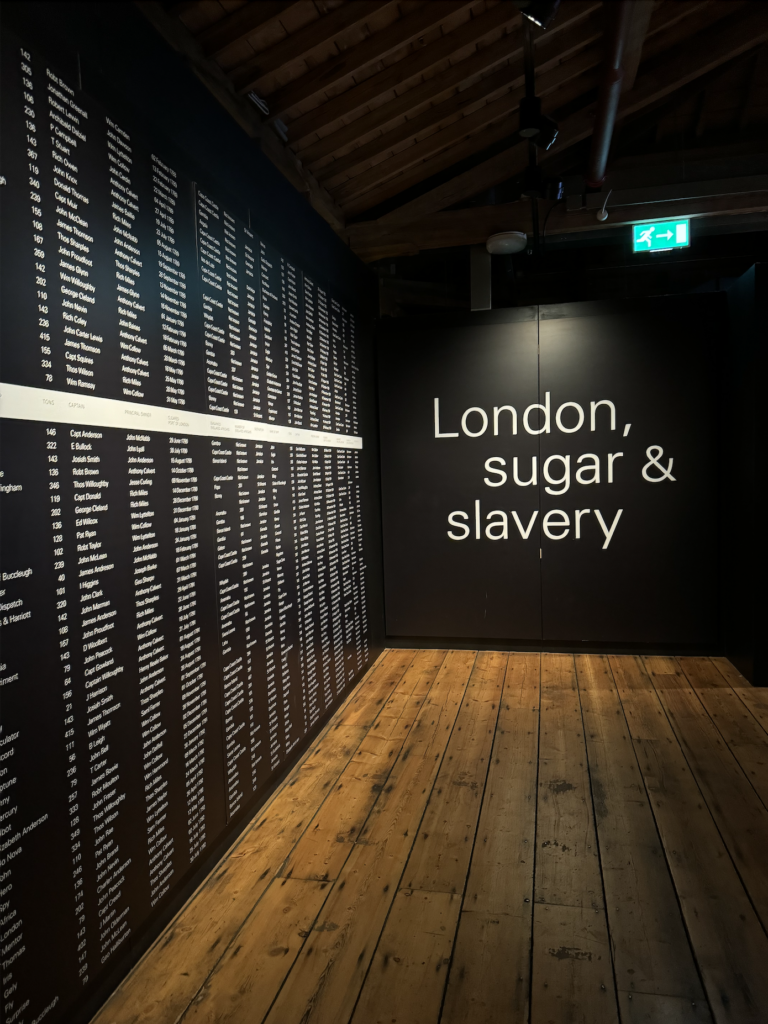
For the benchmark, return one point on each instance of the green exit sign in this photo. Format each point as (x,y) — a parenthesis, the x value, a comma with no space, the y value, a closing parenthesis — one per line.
(670,234)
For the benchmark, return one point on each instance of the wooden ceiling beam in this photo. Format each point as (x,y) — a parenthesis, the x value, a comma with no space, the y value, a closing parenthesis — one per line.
(243,112)
(241,23)
(433,154)
(517,156)
(581,31)
(665,15)
(295,46)
(552,47)
(683,64)
(510,76)
(550,87)
(358,161)
(396,75)
(374,241)
(375,48)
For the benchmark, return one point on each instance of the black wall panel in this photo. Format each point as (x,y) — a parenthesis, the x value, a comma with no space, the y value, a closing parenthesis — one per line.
(436,586)
(188,588)
(657,581)
(586,512)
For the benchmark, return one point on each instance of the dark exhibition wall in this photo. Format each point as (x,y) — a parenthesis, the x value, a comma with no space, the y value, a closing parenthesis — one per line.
(554,477)
(582,476)
(191,575)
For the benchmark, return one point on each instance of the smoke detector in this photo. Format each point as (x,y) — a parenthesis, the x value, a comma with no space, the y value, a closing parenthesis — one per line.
(506,242)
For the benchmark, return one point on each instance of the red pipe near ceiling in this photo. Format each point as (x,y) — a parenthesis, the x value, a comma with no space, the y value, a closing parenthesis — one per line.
(619,13)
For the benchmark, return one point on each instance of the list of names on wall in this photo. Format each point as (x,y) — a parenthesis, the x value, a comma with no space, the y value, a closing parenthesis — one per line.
(180,603)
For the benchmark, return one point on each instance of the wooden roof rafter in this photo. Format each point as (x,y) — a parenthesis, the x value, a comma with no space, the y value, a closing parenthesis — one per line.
(504,78)
(471,133)
(374,48)
(690,60)
(552,75)
(382,98)
(395,76)
(583,26)
(483,61)
(298,44)
(473,107)
(380,239)
(240,23)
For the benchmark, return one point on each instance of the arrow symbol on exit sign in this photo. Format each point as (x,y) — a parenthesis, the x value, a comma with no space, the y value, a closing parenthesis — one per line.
(667,236)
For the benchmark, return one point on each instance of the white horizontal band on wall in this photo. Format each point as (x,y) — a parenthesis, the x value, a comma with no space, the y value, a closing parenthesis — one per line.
(18,402)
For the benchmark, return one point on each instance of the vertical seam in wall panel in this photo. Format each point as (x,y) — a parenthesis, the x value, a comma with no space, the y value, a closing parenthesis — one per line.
(539,476)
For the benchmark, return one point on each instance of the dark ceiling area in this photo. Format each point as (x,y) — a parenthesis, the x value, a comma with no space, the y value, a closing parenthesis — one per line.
(401,123)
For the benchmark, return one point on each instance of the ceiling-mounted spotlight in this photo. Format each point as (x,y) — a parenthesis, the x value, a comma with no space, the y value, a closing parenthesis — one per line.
(540,12)
(504,243)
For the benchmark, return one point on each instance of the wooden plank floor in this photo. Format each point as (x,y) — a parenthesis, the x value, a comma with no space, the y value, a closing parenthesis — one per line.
(487,837)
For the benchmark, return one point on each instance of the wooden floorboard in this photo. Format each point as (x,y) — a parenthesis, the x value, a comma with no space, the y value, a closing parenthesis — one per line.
(572,972)
(439,859)
(483,837)
(726,935)
(490,972)
(736,808)
(740,729)
(323,986)
(323,848)
(651,951)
